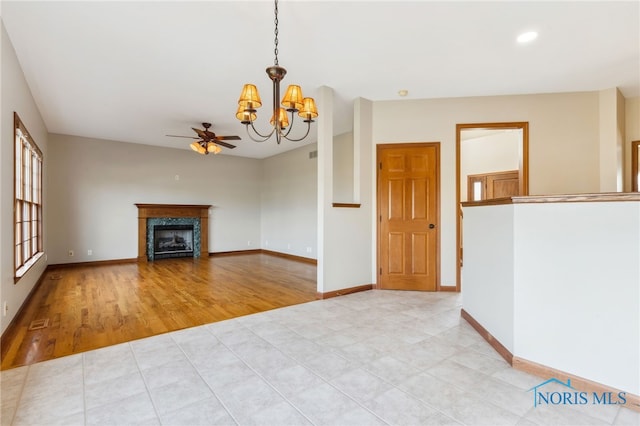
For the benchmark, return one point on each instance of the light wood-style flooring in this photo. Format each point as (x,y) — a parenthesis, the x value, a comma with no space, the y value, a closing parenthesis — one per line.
(89,307)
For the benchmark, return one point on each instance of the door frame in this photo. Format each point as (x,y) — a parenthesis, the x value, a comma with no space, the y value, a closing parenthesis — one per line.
(635,148)
(379,148)
(523,168)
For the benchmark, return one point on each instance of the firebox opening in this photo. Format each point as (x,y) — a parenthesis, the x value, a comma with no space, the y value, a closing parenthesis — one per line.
(172,241)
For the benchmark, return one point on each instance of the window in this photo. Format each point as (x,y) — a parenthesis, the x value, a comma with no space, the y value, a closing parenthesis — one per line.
(27,208)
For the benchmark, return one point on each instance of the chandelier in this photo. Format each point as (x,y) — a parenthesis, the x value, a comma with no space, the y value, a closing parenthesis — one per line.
(293,102)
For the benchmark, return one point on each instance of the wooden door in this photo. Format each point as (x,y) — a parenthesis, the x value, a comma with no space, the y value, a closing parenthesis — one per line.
(408,212)
(503,184)
(487,186)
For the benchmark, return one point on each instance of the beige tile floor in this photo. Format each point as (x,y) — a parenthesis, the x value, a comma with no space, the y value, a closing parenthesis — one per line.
(371,358)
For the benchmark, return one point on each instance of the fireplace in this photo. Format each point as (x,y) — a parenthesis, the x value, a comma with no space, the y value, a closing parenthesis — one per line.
(172,230)
(172,241)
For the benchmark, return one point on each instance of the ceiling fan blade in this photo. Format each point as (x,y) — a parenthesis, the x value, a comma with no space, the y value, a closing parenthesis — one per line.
(176,136)
(226,145)
(201,133)
(229,138)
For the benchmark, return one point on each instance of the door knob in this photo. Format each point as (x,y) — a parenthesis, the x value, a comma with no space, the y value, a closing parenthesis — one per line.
(431,226)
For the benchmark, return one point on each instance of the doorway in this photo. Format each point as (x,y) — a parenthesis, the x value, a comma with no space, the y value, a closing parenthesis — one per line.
(488,186)
(409,216)
(493,159)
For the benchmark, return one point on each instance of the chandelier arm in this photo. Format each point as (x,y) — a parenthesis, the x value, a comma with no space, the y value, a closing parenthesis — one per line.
(284,135)
(260,135)
(305,135)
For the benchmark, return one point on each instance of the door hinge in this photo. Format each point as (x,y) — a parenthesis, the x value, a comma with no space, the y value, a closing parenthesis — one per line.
(380,218)
(380,271)
(381,165)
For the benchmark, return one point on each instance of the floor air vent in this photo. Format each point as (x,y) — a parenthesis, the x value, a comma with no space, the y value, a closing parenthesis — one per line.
(39,324)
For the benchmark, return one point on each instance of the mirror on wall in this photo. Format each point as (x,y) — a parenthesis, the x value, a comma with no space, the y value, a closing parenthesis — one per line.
(492,161)
(635,160)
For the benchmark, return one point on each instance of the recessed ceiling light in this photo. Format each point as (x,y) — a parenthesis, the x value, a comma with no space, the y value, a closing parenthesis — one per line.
(403,92)
(527,37)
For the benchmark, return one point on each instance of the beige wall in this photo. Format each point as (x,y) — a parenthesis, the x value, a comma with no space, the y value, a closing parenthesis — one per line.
(16,96)
(345,235)
(343,168)
(611,140)
(563,143)
(94,184)
(632,133)
(288,195)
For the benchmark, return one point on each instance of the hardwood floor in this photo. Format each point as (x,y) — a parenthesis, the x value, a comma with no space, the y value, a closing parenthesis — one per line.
(96,306)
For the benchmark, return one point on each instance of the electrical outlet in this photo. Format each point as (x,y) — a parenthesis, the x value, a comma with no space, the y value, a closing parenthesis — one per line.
(266,243)
(70,253)
(5,309)
(89,252)
(288,246)
(249,243)
(308,249)
(177,177)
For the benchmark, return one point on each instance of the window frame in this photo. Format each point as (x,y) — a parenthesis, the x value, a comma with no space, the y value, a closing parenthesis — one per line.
(28,166)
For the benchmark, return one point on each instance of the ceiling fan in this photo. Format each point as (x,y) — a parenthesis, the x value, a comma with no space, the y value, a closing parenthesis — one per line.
(208,141)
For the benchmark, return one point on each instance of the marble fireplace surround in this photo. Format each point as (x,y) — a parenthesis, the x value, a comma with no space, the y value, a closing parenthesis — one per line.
(173,211)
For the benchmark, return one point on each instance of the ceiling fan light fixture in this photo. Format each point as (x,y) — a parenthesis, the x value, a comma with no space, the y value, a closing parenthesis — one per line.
(213,148)
(198,148)
(293,101)
(210,142)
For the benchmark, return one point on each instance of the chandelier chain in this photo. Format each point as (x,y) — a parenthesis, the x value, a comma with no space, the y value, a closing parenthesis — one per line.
(275,50)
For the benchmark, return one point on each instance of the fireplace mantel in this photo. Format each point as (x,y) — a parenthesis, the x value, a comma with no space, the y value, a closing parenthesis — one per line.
(146,211)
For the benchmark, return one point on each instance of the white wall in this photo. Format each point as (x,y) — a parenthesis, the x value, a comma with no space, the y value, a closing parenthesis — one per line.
(289,202)
(577,289)
(563,144)
(94,184)
(489,233)
(567,277)
(497,152)
(16,96)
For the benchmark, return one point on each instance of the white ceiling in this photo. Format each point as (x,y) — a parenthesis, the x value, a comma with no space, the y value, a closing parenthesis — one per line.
(136,71)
